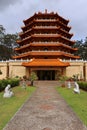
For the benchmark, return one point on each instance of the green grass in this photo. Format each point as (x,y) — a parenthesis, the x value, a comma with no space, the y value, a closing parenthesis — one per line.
(9,106)
(78,102)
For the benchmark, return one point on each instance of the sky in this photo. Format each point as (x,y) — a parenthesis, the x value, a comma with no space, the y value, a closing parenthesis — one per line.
(13,12)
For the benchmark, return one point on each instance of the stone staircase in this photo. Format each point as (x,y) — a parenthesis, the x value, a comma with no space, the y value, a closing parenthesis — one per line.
(46,83)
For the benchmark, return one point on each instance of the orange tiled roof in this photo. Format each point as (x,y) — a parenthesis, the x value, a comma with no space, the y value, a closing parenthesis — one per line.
(45,63)
(38,53)
(47,45)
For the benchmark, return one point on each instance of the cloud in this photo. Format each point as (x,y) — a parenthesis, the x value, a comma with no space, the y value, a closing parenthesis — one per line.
(13,12)
(4,4)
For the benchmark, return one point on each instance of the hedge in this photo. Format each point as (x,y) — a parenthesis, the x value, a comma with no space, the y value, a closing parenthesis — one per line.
(83,85)
(5,82)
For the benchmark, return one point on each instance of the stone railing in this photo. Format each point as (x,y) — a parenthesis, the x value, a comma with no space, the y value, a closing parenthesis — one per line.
(11,60)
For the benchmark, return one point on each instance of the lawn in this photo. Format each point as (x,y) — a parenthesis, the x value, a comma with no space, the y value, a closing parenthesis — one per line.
(78,102)
(9,106)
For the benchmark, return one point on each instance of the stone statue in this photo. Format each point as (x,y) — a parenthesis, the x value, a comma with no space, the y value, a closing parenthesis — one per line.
(69,84)
(24,84)
(76,89)
(8,93)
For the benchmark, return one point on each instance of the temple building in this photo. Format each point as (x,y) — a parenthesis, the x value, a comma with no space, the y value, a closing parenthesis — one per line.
(46,42)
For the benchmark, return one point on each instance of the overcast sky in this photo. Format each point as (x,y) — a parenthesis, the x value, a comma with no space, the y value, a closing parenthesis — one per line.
(13,12)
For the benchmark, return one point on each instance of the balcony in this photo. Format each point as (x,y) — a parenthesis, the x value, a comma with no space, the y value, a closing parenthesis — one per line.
(53,27)
(45,20)
(46,35)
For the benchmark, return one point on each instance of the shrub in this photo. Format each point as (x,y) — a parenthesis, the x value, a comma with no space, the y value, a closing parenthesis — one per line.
(5,82)
(1,86)
(63,79)
(13,82)
(83,85)
(33,77)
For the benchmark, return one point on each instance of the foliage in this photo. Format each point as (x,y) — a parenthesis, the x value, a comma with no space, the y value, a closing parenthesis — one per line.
(75,77)
(10,40)
(63,79)
(33,77)
(82,48)
(14,82)
(7,43)
(5,82)
(24,77)
(83,85)
(9,106)
(8,52)
(78,102)
(2,33)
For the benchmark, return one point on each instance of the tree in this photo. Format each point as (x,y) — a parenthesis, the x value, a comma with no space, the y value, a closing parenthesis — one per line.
(2,34)
(79,45)
(7,43)
(10,40)
(85,42)
(33,77)
(7,53)
(85,49)
(82,48)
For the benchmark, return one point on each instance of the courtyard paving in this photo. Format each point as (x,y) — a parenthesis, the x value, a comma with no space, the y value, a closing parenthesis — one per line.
(45,110)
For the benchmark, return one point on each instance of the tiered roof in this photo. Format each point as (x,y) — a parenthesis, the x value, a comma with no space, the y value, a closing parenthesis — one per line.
(45,63)
(45,36)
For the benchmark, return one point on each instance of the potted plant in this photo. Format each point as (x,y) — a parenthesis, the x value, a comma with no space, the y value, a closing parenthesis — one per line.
(33,77)
(63,79)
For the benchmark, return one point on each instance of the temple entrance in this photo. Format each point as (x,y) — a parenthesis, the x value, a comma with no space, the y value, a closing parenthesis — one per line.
(46,74)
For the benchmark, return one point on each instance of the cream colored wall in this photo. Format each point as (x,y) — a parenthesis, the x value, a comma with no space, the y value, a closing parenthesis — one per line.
(16,69)
(75,68)
(3,67)
(85,71)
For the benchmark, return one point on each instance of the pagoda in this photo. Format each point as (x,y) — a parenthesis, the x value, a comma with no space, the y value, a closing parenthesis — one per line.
(45,41)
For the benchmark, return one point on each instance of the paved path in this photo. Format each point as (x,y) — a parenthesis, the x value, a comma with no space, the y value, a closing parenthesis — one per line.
(45,110)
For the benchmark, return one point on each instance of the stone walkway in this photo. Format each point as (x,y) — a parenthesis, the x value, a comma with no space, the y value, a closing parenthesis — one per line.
(45,110)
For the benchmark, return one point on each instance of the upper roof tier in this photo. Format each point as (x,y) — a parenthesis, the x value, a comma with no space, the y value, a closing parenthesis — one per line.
(45,25)
(45,30)
(46,15)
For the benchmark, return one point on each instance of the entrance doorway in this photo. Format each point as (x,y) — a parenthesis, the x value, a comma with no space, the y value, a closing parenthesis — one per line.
(46,74)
